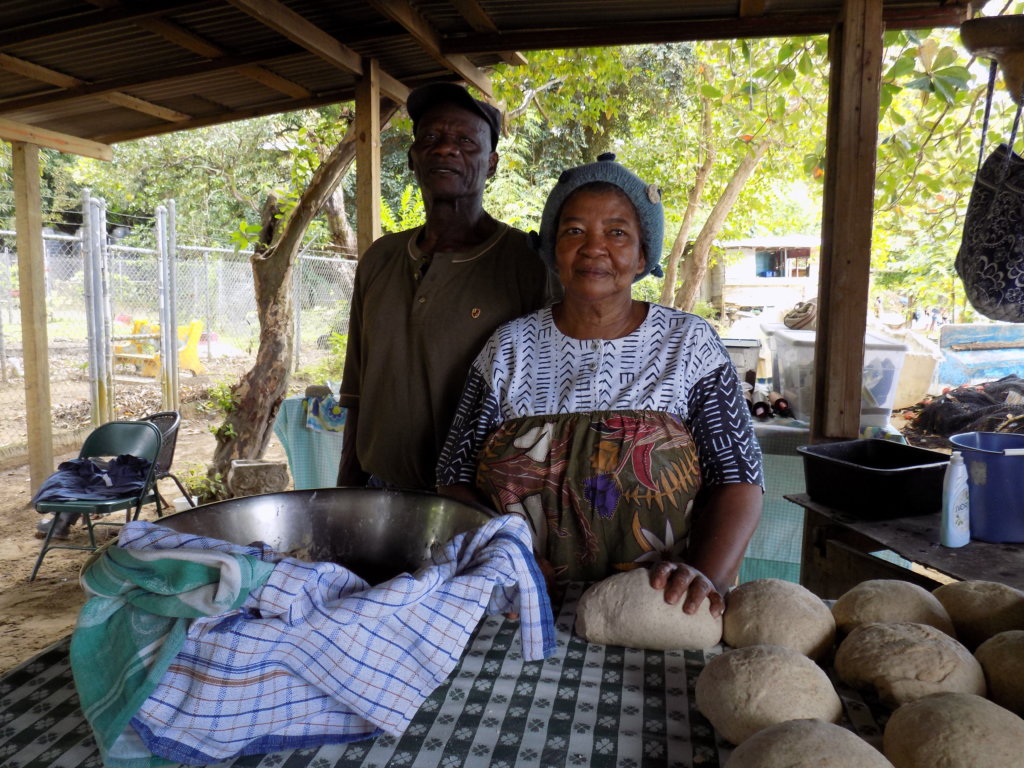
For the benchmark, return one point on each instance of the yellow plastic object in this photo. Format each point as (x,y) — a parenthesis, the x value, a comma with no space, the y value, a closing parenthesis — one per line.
(141,353)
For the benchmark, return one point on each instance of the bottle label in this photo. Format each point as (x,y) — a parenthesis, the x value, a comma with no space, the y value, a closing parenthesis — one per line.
(961,516)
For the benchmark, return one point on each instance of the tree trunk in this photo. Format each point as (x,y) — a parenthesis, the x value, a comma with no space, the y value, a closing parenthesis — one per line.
(247,428)
(342,235)
(668,287)
(695,267)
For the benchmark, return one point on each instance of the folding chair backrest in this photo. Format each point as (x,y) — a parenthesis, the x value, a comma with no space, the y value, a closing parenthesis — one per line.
(138,438)
(168,423)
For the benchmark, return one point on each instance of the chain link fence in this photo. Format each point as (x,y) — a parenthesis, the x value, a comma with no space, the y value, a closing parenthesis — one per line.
(214,288)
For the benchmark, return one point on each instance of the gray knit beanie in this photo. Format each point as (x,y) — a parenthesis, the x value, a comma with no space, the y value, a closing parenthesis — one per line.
(646,198)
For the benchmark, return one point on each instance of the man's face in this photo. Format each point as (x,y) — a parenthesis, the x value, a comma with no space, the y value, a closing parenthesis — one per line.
(451,154)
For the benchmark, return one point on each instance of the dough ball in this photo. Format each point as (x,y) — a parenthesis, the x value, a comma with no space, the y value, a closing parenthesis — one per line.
(980,609)
(953,729)
(747,689)
(806,744)
(777,612)
(902,662)
(884,600)
(625,609)
(1002,658)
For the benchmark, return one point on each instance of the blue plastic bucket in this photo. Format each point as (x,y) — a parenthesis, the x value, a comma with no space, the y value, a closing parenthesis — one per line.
(995,477)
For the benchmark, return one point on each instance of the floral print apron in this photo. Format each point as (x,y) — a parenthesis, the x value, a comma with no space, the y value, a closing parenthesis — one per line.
(603,491)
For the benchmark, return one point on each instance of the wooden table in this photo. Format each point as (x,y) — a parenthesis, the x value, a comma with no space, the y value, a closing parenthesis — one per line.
(837,546)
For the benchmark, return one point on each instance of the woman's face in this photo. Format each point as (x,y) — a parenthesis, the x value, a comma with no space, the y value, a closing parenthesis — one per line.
(598,248)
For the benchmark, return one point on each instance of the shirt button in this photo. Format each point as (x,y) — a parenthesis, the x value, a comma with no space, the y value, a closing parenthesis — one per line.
(422,299)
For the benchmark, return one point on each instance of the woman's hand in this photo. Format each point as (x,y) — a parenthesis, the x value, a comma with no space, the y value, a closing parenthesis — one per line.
(680,580)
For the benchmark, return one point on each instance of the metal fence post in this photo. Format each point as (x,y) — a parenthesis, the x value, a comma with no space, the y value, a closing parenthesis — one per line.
(168,345)
(208,309)
(172,298)
(88,266)
(105,347)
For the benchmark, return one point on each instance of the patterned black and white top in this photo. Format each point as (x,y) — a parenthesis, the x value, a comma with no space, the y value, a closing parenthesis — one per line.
(674,362)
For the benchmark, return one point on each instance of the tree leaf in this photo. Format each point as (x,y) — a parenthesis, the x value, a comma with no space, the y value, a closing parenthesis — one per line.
(902,67)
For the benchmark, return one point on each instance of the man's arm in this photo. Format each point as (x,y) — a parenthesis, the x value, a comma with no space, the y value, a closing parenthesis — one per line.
(350,471)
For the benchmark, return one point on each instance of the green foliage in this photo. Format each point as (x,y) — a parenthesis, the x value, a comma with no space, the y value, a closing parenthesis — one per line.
(222,399)
(332,366)
(706,310)
(204,485)
(647,289)
(216,175)
(245,236)
(407,214)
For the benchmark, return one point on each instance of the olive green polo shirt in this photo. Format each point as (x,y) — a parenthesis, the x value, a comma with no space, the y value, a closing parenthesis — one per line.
(413,336)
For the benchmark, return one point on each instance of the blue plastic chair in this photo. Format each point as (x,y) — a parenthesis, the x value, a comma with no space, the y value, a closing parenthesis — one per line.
(137,438)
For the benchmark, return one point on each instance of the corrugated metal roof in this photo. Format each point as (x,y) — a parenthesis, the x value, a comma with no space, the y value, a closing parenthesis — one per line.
(207,61)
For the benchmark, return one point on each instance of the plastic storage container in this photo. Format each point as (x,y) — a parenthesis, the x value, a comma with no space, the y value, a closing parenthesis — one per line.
(995,477)
(769,330)
(744,354)
(875,479)
(883,358)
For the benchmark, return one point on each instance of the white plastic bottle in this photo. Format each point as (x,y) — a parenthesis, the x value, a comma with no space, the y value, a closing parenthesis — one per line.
(956,526)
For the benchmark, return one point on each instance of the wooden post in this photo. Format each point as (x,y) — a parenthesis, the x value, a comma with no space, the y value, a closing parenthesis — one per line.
(854,81)
(32,296)
(368,156)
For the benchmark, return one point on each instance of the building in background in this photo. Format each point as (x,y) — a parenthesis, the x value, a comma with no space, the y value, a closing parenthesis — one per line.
(770,273)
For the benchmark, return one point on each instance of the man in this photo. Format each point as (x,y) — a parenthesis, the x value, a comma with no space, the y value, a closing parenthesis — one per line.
(426,299)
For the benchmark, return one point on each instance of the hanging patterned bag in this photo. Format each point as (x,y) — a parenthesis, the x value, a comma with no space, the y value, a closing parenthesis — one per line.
(991,257)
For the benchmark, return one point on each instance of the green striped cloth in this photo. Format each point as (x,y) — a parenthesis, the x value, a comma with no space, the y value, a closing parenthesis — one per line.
(133,625)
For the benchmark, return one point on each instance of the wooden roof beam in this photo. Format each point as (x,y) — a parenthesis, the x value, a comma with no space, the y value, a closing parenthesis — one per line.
(245,113)
(480,21)
(62,142)
(428,39)
(190,41)
(674,31)
(144,78)
(42,74)
(301,31)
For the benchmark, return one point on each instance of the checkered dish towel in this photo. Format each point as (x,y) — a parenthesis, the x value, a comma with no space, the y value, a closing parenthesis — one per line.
(316,656)
(135,622)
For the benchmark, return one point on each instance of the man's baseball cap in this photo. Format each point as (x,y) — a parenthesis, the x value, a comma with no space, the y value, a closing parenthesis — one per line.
(426,96)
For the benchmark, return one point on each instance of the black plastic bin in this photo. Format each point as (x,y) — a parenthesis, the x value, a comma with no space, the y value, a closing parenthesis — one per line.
(874,479)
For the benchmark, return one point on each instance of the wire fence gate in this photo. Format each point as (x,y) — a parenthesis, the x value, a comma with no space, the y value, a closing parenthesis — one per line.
(115,310)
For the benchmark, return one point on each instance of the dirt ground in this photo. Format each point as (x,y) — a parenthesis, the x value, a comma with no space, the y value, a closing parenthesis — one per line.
(35,614)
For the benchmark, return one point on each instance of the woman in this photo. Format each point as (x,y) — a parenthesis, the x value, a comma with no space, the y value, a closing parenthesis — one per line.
(617,428)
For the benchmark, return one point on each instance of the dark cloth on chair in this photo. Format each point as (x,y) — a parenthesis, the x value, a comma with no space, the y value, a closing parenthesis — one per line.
(91,480)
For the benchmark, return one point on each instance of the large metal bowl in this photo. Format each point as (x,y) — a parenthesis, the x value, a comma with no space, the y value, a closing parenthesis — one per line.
(378,534)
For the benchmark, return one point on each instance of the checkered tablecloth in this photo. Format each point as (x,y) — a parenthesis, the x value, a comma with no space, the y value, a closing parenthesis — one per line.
(588,705)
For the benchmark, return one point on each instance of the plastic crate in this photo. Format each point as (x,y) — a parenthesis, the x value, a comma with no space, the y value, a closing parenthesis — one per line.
(744,354)
(874,479)
(883,359)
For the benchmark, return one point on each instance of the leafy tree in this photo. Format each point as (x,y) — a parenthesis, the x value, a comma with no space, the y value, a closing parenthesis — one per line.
(933,96)
(216,175)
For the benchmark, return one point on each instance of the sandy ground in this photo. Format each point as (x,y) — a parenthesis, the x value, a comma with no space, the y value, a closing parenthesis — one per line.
(35,614)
